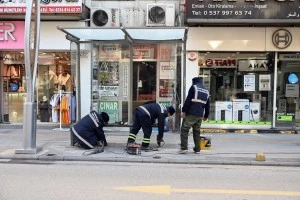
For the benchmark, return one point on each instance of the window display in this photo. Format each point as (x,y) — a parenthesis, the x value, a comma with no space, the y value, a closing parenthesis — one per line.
(240,87)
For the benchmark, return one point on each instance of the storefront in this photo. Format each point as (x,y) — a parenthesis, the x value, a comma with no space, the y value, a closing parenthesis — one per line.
(129,67)
(247,53)
(54,72)
(252,75)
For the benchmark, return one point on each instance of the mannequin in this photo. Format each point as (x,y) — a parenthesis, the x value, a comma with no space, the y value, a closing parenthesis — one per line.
(64,81)
(52,82)
(11,71)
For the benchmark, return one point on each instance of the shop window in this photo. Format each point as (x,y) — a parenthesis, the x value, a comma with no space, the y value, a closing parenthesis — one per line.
(240,86)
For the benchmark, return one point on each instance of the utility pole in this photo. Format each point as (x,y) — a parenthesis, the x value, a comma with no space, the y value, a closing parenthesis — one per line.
(31,51)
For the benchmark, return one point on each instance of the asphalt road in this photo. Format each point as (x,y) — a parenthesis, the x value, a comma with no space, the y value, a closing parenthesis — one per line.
(36,180)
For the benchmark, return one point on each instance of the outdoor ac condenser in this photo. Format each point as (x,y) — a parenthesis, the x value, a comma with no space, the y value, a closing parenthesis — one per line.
(105,17)
(160,15)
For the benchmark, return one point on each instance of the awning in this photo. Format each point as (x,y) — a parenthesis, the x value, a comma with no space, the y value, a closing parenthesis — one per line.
(132,35)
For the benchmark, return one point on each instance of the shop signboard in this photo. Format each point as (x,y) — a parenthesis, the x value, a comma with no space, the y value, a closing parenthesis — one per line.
(253,65)
(12,34)
(111,108)
(242,12)
(217,63)
(47,7)
(289,57)
(144,52)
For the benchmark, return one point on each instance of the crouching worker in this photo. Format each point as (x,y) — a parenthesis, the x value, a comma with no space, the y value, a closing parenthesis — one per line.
(145,116)
(88,132)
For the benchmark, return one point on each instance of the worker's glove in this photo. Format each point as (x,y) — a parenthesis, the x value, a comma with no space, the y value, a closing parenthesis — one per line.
(160,142)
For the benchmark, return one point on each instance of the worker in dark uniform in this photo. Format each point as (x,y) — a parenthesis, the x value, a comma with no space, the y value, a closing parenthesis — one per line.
(88,132)
(145,116)
(195,109)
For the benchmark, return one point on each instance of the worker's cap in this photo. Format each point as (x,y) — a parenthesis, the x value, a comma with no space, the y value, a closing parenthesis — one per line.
(105,117)
(171,110)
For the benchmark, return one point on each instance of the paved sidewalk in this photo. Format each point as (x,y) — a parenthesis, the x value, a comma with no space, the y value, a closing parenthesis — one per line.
(226,149)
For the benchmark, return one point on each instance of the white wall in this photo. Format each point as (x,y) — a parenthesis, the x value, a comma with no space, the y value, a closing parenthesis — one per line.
(53,39)
(85,83)
(226,39)
(192,70)
(238,39)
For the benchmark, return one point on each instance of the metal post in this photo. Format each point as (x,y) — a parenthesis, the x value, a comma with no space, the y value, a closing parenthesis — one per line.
(78,88)
(275,91)
(130,84)
(30,55)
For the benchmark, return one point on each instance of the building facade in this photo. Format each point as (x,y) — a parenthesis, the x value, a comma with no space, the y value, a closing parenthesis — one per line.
(54,72)
(248,55)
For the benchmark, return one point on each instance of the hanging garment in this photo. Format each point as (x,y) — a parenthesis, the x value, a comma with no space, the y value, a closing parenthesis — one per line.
(54,102)
(65,110)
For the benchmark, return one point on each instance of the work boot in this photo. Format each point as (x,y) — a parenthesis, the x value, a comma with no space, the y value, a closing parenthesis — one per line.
(196,150)
(183,151)
(147,148)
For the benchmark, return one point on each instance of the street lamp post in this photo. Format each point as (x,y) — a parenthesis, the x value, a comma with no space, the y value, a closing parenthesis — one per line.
(31,51)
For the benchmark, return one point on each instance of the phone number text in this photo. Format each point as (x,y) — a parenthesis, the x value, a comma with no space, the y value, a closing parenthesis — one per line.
(222,12)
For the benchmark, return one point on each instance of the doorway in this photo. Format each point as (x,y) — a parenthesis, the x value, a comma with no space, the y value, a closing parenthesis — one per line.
(144,83)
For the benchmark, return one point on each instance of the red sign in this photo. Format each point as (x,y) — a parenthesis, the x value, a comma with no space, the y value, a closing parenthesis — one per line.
(19,7)
(218,62)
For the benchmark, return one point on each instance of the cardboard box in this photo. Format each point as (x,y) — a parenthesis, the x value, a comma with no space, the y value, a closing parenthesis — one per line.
(255,111)
(223,111)
(240,110)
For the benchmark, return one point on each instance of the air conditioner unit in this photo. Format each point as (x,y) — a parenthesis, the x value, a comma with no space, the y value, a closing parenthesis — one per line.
(160,15)
(105,17)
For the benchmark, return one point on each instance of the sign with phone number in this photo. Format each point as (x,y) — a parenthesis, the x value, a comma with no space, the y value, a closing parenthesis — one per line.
(223,13)
(242,11)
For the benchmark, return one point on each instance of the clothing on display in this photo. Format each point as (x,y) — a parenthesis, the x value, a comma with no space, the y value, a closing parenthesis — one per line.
(64,82)
(11,71)
(63,104)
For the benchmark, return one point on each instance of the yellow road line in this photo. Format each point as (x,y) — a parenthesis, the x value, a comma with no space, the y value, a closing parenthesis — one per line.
(167,190)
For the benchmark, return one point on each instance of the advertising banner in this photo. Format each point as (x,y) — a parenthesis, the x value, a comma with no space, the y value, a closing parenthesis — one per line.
(12,34)
(264,82)
(167,70)
(109,52)
(111,108)
(242,12)
(47,6)
(249,82)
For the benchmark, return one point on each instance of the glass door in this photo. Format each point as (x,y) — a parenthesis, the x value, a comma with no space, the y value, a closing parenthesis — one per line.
(144,83)
(288,100)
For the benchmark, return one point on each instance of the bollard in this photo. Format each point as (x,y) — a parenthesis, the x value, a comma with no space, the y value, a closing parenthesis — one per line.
(260,157)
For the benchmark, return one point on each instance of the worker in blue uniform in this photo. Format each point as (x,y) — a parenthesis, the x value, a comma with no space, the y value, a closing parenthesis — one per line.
(88,132)
(195,109)
(145,116)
